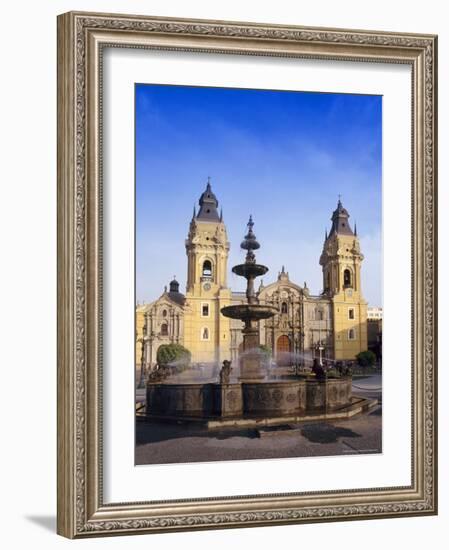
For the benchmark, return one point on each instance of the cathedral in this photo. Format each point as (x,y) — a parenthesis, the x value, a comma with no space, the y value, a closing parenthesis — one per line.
(331,325)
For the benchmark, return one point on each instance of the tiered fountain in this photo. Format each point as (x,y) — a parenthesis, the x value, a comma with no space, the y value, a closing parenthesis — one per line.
(253,398)
(252,366)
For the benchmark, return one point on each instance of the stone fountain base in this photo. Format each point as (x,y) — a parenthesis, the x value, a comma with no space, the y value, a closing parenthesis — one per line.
(249,403)
(252,368)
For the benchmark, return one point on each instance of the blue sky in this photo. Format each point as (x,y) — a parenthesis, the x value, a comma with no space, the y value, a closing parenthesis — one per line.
(283,157)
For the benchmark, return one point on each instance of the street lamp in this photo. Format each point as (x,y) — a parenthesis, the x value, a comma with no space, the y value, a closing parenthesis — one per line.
(320,345)
(320,349)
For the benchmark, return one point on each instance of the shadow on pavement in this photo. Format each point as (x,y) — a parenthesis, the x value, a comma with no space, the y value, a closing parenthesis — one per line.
(153,432)
(326,433)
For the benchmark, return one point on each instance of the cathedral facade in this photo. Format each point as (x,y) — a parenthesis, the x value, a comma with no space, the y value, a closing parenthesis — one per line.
(331,325)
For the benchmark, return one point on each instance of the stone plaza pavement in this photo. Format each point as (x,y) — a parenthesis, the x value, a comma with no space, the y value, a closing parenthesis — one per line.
(158,443)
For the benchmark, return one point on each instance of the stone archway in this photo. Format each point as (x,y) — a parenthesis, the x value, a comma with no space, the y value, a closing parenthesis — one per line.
(283,349)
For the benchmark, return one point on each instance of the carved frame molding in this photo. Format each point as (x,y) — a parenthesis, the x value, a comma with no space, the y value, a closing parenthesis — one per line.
(81,39)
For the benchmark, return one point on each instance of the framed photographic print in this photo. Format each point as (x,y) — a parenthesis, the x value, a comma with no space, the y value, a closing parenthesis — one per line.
(247,274)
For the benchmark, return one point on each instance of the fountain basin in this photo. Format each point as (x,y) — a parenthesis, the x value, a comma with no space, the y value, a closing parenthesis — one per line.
(250,270)
(254,312)
(248,399)
(179,399)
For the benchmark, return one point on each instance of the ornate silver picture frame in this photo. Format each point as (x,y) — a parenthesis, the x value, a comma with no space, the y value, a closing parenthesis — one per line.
(82,40)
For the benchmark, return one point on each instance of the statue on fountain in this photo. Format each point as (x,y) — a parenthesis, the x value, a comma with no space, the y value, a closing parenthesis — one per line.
(225,372)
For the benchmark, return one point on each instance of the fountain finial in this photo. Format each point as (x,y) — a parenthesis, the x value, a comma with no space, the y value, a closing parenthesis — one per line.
(250,243)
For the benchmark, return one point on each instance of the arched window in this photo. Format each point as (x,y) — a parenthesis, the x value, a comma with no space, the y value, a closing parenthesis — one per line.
(347,282)
(164,313)
(284,307)
(328,281)
(164,329)
(318,315)
(351,334)
(205,333)
(207,268)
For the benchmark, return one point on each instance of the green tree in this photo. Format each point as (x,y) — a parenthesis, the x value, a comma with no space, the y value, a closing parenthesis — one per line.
(366,358)
(173,355)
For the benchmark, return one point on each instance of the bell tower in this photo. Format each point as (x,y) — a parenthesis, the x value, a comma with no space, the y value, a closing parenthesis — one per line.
(341,261)
(206,330)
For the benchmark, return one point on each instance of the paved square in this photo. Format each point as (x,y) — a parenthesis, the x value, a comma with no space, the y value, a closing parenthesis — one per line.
(159,443)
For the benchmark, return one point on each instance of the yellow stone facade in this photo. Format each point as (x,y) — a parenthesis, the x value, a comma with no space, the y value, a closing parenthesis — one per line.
(335,319)
(206,331)
(341,261)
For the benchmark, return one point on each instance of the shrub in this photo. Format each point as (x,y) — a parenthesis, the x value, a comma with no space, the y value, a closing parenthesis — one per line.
(333,374)
(366,358)
(266,350)
(173,355)
(267,353)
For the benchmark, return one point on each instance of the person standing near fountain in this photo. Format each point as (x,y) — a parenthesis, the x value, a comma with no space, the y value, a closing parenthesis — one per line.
(252,364)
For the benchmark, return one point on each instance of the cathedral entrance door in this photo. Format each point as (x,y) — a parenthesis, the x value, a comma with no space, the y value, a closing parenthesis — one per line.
(283,357)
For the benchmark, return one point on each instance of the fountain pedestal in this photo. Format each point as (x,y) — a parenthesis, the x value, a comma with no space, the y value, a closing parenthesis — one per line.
(252,367)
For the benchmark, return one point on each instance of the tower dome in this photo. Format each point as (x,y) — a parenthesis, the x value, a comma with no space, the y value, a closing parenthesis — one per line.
(174,293)
(340,221)
(174,285)
(208,205)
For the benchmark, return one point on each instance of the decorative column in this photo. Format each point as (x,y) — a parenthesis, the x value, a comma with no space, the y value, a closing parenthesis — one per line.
(142,362)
